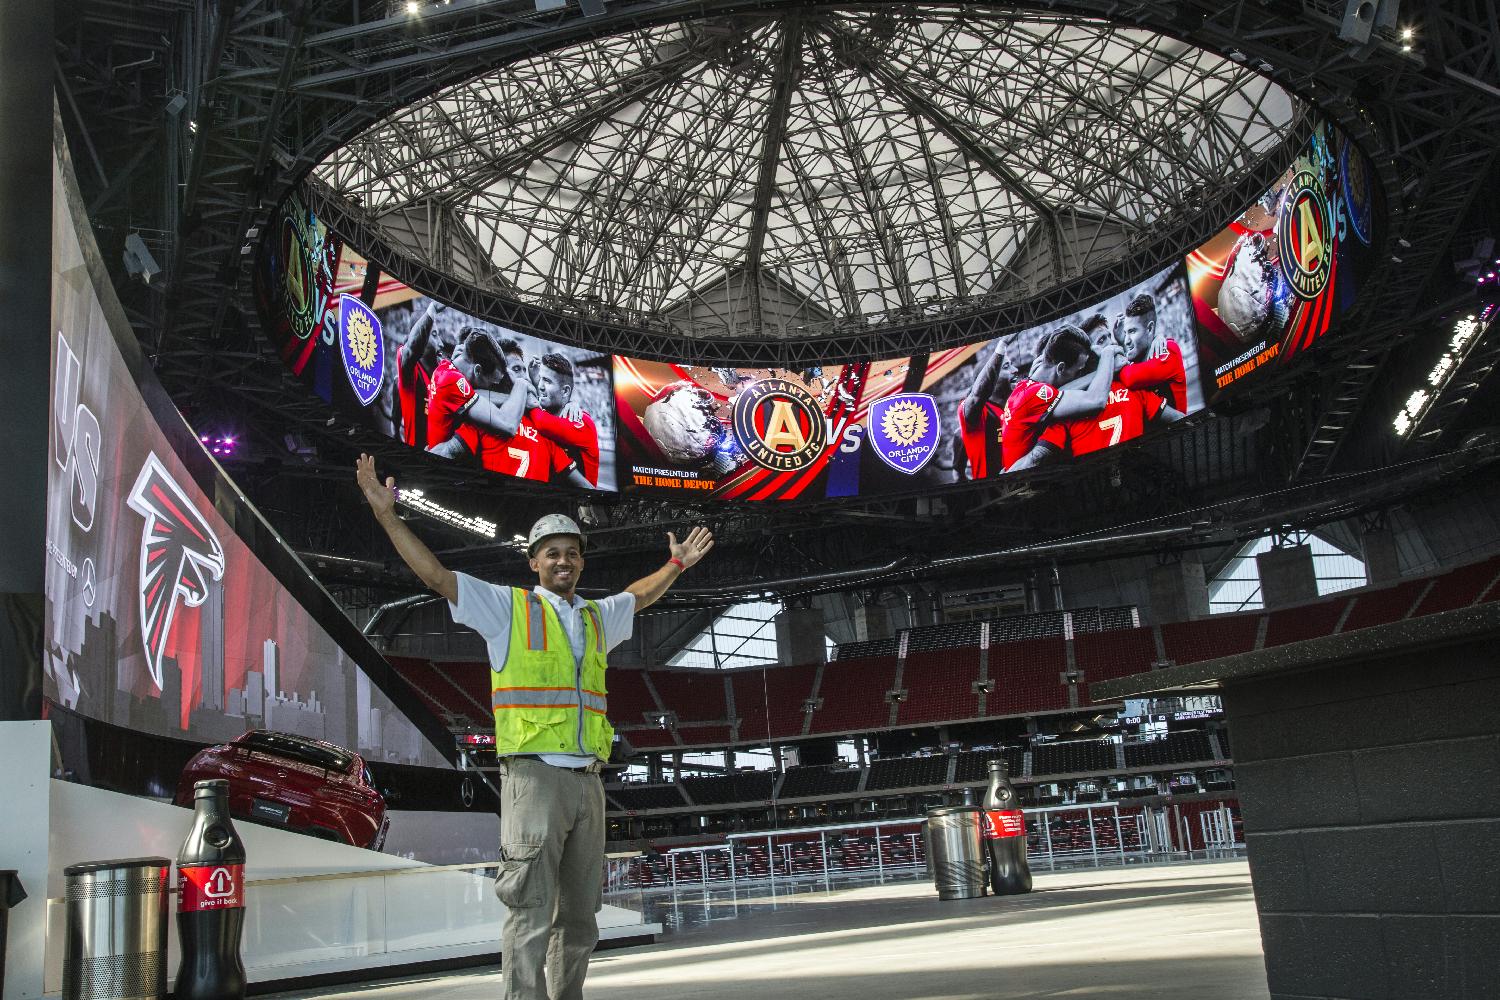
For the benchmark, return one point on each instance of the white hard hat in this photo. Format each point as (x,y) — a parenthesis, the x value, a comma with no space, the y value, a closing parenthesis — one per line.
(552,524)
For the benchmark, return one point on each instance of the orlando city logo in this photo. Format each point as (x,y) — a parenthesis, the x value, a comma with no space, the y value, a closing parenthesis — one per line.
(779,425)
(1305,236)
(904,430)
(362,348)
(179,556)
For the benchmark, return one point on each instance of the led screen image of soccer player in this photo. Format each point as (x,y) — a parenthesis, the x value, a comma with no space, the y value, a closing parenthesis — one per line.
(1004,395)
(1277,279)
(484,405)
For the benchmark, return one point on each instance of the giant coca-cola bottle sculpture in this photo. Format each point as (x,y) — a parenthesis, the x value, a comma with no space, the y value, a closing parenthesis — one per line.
(211,900)
(1005,835)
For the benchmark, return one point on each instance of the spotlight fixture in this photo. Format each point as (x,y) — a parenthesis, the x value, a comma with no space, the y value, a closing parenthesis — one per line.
(412,7)
(138,260)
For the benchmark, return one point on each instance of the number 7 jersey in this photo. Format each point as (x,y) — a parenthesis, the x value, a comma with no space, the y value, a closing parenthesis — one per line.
(1123,418)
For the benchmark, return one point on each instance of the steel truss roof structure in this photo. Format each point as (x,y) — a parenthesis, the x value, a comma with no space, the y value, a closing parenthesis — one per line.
(270,94)
(812,171)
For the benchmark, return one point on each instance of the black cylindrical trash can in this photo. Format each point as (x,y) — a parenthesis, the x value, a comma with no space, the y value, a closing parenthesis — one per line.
(115,947)
(11,894)
(955,851)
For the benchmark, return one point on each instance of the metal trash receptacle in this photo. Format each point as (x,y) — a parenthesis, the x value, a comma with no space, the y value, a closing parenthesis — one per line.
(115,947)
(955,850)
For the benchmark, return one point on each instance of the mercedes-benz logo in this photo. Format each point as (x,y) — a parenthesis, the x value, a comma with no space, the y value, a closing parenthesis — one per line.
(466,791)
(90,588)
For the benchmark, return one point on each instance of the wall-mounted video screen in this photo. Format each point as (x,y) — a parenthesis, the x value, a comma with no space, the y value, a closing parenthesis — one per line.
(1278,277)
(1098,377)
(159,617)
(429,375)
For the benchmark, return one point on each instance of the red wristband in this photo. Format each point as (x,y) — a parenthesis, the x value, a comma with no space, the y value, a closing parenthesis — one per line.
(674,561)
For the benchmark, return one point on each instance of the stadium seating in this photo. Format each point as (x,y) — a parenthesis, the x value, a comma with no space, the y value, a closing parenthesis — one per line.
(695,695)
(1177,748)
(630,701)
(1105,655)
(1074,757)
(779,691)
(805,782)
(446,699)
(1387,604)
(1027,656)
(635,797)
(1027,677)
(720,788)
(649,738)
(704,736)
(974,765)
(1210,638)
(907,772)
(939,685)
(1302,623)
(853,695)
(1460,587)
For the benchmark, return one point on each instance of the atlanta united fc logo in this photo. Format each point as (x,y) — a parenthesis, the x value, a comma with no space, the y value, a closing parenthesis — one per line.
(779,425)
(1305,236)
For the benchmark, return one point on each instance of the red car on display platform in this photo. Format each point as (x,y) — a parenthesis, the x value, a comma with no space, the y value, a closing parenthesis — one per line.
(295,782)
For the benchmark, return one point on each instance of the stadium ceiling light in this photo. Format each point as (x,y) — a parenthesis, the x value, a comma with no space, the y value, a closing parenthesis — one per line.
(1466,333)
(418,501)
(412,7)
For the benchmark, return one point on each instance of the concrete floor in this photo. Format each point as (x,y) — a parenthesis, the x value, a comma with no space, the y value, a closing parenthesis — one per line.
(1179,932)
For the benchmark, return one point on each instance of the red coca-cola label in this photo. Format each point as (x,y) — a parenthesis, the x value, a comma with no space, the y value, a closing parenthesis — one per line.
(1002,823)
(210,887)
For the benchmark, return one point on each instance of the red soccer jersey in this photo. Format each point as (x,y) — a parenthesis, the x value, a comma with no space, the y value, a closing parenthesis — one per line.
(982,442)
(413,416)
(526,454)
(1123,418)
(579,439)
(1161,373)
(1029,405)
(449,396)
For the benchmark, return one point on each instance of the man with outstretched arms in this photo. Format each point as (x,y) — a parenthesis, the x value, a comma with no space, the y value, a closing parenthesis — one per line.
(1153,363)
(1054,392)
(547,650)
(981,413)
(416,360)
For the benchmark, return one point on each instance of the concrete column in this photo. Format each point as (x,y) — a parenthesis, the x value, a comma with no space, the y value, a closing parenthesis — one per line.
(26,65)
(1178,591)
(1287,577)
(800,636)
(872,621)
(1378,550)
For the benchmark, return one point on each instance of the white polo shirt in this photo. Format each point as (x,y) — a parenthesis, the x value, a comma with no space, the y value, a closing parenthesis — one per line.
(486,608)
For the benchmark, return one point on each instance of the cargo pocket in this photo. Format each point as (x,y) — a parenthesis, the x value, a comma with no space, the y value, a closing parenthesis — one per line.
(519,883)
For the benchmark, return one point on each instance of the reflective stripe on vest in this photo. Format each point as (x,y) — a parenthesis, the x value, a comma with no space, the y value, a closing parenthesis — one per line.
(527,697)
(593,612)
(536,623)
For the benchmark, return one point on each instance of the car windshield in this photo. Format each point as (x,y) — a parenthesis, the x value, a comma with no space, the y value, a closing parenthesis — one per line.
(293,748)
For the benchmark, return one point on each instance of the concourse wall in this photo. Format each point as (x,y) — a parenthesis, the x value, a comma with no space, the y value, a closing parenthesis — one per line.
(1366,767)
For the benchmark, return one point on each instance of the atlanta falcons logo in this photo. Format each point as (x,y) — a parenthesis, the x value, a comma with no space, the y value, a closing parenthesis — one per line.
(177,548)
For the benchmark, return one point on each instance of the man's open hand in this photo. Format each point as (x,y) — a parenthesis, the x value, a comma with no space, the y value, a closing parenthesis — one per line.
(692,548)
(382,499)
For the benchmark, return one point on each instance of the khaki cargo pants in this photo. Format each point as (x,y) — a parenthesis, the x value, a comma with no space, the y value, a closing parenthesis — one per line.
(551,877)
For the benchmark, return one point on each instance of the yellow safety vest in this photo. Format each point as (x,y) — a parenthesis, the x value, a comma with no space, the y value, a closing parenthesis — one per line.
(546,700)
